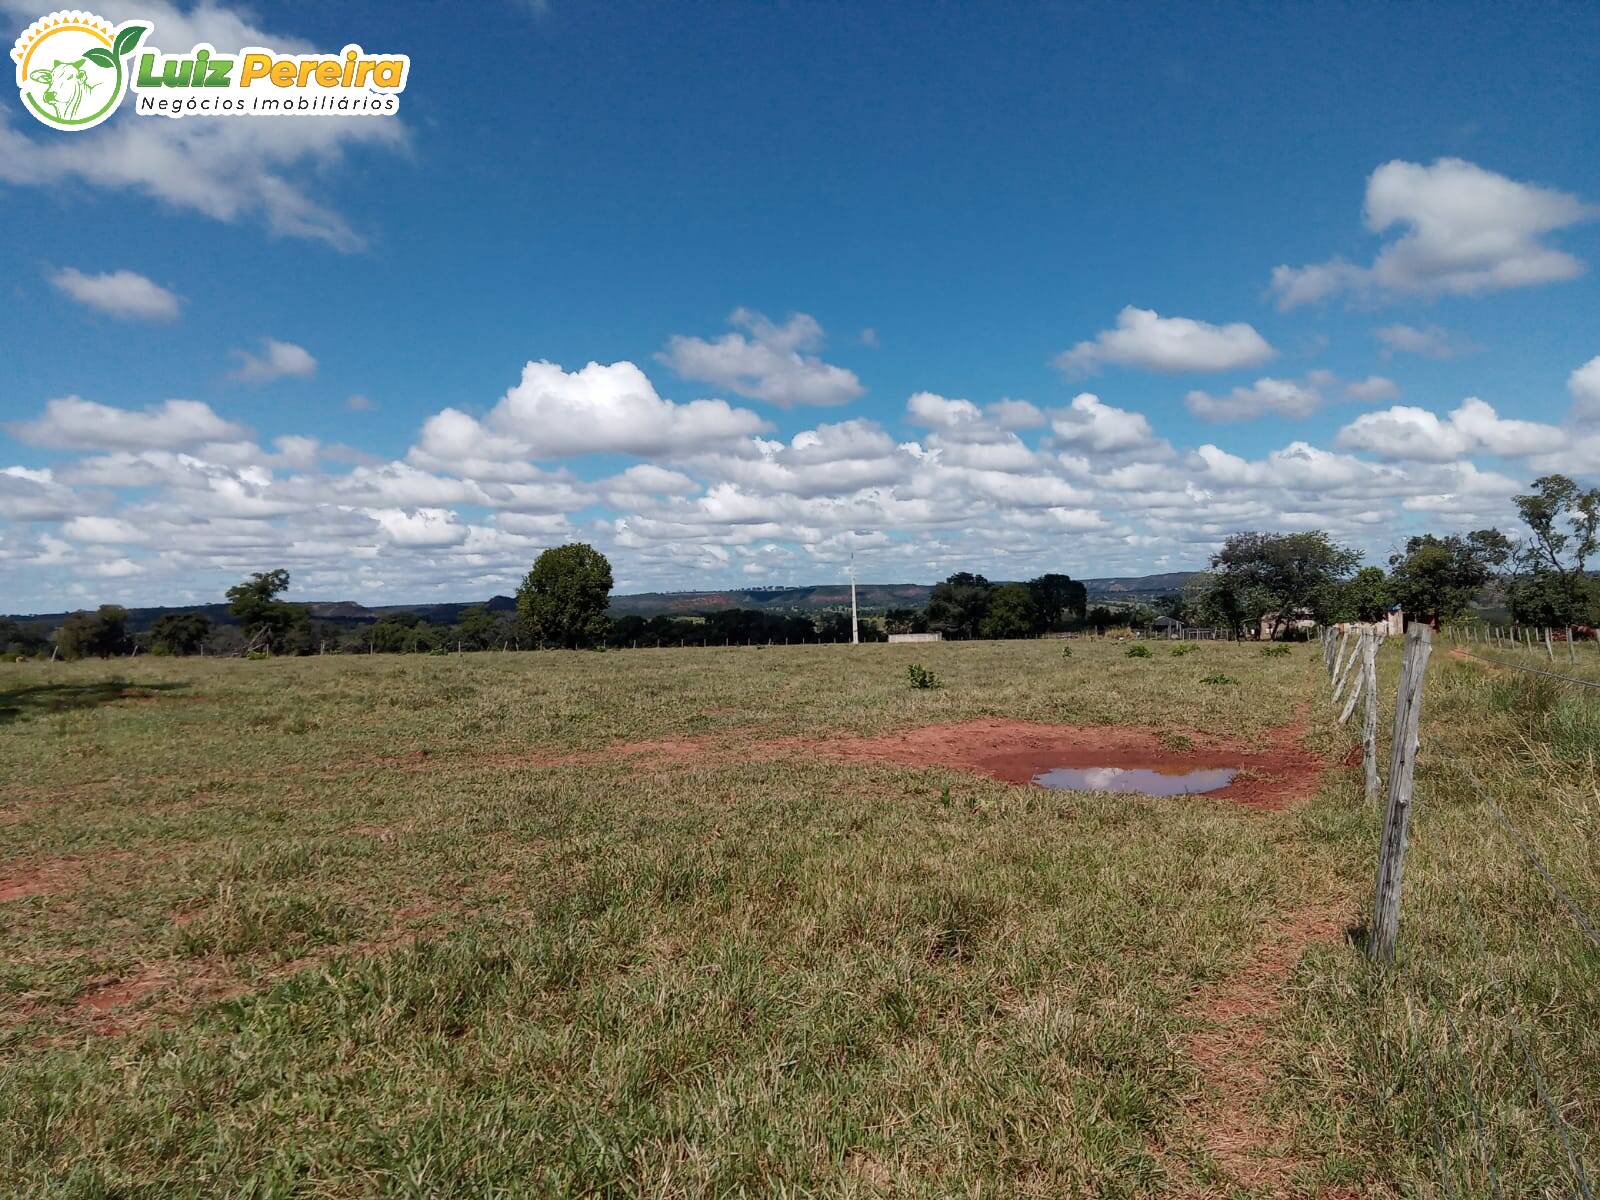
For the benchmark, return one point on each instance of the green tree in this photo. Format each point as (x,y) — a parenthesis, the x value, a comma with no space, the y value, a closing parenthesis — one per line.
(180,633)
(1219,600)
(1059,600)
(957,606)
(564,598)
(906,620)
(265,620)
(476,628)
(19,640)
(1552,585)
(1437,578)
(1299,572)
(1011,613)
(101,633)
(1365,596)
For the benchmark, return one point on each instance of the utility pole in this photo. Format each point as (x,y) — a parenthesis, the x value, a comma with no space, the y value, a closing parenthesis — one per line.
(855,628)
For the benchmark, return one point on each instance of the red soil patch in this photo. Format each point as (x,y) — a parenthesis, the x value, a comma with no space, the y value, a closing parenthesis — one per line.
(1017,751)
(1014,751)
(55,876)
(104,995)
(41,880)
(1230,1057)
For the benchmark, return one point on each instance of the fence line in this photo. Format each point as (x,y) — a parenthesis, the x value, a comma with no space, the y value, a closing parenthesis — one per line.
(1337,656)
(1572,679)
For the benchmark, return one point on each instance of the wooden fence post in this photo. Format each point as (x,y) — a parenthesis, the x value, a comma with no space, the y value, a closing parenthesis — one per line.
(1357,674)
(1369,729)
(1402,771)
(1341,676)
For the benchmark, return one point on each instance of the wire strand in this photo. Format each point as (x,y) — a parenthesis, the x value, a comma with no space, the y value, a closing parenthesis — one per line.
(1572,679)
(1531,854)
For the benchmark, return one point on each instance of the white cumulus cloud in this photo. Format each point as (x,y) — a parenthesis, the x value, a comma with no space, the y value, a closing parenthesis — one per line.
(1584,386)
(1463,230)
(1091,424)
(1406,433)
(771,364)
(124,294)
(72,423)
(552,413)
(1144,338)
(277,360)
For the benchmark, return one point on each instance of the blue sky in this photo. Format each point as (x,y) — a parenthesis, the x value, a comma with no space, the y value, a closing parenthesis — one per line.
(1241,267)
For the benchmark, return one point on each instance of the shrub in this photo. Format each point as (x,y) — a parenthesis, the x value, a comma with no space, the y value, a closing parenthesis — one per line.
(1219,678)
(1180,651)
(1066,652)
(1137,651)
(1274,651)
(920,677)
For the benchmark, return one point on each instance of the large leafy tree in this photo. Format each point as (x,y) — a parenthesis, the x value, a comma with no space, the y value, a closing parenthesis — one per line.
(1011,613)
(563,600)
(180,633)
(1552,585)
(1439,577)
(1059,600)
(957,606)
(267,621)
(101,633)
(1299,572)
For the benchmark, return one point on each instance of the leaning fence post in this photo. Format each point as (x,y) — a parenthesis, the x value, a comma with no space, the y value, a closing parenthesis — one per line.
(1341,676)
(1402,770)
(1358,676)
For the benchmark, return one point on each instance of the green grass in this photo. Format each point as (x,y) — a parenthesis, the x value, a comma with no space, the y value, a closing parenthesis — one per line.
(384,942)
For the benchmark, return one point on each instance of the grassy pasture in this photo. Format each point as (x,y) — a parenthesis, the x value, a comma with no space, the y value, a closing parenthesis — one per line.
(407,926)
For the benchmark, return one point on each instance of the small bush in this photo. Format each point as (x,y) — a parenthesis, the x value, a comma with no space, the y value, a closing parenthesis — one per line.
(1137,651)
(1218,677)
(1274,651)
(1066,652)
(1180,651)
(920,677)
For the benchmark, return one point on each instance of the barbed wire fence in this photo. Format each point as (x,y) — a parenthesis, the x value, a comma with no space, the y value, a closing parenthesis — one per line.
(1434,1033)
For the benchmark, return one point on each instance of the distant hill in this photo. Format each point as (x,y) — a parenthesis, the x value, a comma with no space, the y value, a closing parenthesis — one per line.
(816,598)
(334,612)
(1131,586)
(872,597)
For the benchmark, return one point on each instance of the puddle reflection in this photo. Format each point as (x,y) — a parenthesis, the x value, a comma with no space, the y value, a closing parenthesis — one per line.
(1144,780)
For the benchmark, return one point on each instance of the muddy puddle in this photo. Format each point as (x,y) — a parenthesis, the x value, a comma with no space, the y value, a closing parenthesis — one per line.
(1146,781)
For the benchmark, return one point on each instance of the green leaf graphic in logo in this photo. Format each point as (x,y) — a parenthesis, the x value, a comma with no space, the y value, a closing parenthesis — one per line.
(71,73)
(128,39)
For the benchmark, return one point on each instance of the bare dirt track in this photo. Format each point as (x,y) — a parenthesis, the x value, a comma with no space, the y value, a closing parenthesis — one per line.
(1228,1054)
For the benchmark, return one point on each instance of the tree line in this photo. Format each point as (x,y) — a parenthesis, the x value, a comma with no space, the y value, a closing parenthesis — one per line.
(1271,583)
(1259,584)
